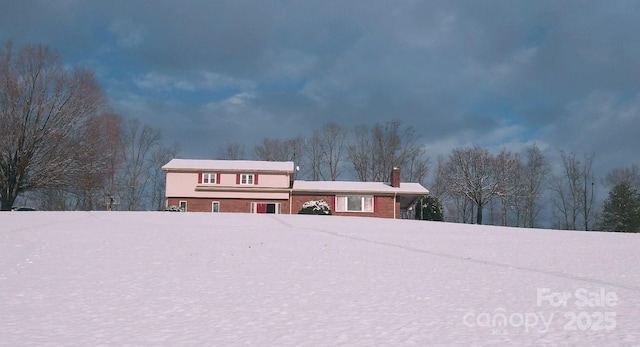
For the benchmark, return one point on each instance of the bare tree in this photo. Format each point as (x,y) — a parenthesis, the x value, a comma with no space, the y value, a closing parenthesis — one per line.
(326,152)
(160,155)
(232,151)
(282,150)
(314,158)
(508,168)
(386,143)
(457,207)
(93,176)
(139,142)
(54,200)
(273,150)
(42,107)
(461,209)
(439,187)
(375,151)
(416,166)
(470,172)
(574,191)
(587,190)
(565,186)
(96,164)
(360,153)
(535,173)
(627,175)
(86,175)
(114,151)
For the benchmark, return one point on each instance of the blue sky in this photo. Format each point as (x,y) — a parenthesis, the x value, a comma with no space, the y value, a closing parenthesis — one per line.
(563,74)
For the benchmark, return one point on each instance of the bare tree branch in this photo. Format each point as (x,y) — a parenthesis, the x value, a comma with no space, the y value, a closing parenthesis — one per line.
(374,152)
(139,143)
(232,151)
(43,107)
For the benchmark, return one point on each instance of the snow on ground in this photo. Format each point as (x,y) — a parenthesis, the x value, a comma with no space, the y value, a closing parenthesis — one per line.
(171,279)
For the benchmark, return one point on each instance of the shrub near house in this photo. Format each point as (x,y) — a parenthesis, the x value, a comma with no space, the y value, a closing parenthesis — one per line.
(319,207)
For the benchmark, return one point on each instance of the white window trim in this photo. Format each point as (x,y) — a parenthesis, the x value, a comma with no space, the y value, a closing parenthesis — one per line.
(213,203)
(180,203)
(247,179)
(362,203)
(211,177)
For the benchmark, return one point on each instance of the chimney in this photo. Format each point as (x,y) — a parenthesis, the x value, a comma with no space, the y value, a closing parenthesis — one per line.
(395,177)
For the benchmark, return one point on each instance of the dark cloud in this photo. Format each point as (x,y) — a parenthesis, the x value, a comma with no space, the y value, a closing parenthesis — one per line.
(500,73)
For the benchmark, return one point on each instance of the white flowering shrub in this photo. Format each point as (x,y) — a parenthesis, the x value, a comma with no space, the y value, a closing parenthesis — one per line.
(319,207)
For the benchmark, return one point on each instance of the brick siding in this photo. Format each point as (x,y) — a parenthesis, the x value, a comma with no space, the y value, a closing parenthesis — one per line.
(226,205)
(384,206)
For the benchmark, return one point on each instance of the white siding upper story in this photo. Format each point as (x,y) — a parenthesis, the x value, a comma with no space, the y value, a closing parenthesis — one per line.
(268,180)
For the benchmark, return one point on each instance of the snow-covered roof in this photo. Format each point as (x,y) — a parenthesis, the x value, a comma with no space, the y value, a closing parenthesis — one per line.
(228,165)
(358,187)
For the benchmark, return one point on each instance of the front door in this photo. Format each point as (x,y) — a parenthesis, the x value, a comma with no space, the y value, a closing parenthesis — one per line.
(266,207)
(261,208)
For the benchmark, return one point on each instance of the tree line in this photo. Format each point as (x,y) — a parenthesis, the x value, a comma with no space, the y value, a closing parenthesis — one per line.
(471,185)
(365,153)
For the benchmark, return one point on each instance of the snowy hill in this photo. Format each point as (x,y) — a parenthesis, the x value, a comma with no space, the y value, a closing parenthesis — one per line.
(168,279)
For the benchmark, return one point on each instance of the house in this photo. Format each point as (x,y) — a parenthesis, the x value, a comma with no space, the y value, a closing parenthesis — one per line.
(268,187)
(229,185)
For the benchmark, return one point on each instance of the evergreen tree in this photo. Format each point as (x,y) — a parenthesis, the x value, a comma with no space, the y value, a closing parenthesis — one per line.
(429,208)
(621,210)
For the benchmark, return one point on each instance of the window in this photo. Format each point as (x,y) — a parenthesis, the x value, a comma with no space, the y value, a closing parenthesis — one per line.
(266,207)
(354,203)
(246,179)
(183,206)
(209,178)
(215,206)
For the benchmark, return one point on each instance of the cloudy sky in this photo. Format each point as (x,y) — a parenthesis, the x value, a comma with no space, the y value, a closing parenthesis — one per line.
(563,74)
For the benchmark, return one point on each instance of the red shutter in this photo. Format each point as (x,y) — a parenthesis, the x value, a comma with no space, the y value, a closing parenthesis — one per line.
(255,179)
(217,178)
(237,178)
(199,177)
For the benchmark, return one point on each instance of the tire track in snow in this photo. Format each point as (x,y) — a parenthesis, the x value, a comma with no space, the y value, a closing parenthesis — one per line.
(468,259)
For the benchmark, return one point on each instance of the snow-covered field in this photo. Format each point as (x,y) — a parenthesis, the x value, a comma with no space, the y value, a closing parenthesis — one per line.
(171,279)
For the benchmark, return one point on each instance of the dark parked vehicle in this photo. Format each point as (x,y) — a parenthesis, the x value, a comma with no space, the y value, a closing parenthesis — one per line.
(23,209)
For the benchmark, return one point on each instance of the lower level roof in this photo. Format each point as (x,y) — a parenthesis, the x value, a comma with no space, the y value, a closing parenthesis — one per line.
(358,187)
